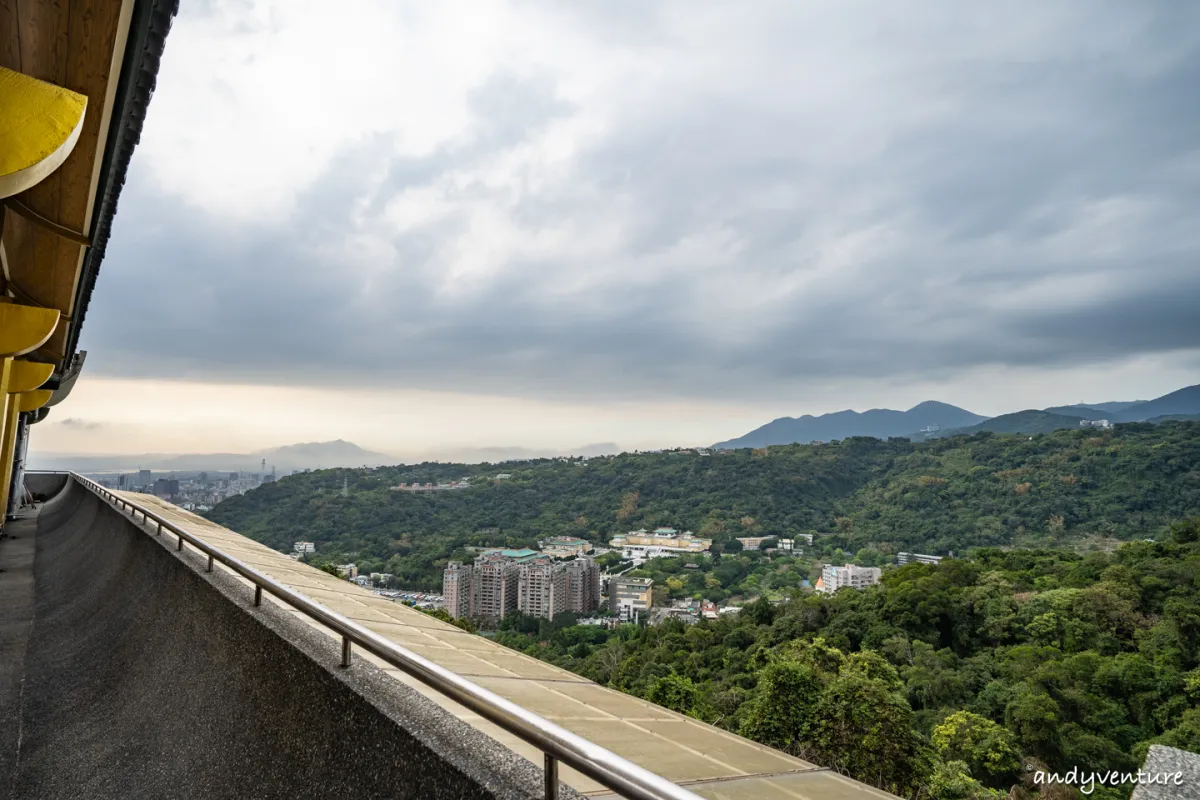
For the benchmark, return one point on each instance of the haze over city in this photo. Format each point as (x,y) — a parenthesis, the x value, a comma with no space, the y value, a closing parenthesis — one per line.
(797,211)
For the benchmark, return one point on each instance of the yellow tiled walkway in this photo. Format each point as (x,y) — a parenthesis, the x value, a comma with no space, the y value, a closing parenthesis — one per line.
(711,762)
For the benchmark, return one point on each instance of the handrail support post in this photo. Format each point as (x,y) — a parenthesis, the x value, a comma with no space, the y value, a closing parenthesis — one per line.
(551,777)
(345,651)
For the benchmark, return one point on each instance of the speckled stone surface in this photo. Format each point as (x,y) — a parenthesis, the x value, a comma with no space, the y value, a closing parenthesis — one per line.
(1163,761)
(146,677)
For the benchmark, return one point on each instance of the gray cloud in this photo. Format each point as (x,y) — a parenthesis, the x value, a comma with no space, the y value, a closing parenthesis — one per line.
(1018,191)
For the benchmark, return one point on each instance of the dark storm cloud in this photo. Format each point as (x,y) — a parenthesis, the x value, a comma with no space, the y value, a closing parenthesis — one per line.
(965,207)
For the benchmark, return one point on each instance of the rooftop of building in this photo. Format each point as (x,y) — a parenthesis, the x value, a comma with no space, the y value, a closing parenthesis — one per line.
(523,554)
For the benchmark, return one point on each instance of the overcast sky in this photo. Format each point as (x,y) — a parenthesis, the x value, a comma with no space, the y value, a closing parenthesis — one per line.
(422,225)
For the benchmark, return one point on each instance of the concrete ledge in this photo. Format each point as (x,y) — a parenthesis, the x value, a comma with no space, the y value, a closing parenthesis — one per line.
(146,677)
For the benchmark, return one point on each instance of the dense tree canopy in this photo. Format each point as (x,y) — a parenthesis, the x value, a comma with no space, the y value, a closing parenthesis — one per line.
(945,681)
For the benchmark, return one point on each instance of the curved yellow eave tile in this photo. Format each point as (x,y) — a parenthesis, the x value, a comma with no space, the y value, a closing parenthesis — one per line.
(39,126)
(32,401)
(28,375)
(24,329)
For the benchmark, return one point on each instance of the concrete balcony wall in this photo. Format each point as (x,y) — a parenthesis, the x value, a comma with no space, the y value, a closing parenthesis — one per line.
(126,672)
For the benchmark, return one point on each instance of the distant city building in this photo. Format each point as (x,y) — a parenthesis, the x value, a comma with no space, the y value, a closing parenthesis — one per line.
(834,578)
(752,542)
(662,542)
(1095,423)
(542,588)
(503,581)
(348,571)
(565,546)
(630,598)
(304,548)
(708,610)
(785,544)
(503,476)
(458,589)
(806,537)
(497,578)
(583,585)
(430,487)
(144,479)
(522,555)
(921,558)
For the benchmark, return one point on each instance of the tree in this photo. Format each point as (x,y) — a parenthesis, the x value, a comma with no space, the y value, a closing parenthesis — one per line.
(1185,736)
(865,730)
(629,504)
(760,612)
(870,664)
(675,692)
(781,712)
(1033,717)
(989,750)
(952,780)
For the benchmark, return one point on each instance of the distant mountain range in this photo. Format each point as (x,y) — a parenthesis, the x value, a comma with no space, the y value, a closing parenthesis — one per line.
(308,455)
(495,455)
(882,423)
(1183,401)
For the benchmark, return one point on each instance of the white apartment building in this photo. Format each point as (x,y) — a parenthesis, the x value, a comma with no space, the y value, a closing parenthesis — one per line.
(920,558)
(834,578)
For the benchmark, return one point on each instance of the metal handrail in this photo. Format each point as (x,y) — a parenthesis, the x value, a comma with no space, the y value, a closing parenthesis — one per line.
(556,743)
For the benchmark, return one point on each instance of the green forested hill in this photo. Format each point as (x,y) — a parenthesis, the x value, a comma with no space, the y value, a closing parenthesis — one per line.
(950,682)
(1026,422)
(946,494)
